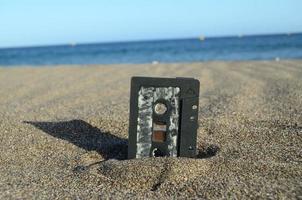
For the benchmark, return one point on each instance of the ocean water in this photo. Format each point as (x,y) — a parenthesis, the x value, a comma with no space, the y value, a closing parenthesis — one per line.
(266,47)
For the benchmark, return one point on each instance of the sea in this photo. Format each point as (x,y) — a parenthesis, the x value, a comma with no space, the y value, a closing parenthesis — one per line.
(237,48)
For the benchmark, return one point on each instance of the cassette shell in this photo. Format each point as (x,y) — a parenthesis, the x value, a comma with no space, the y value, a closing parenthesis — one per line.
(188,114)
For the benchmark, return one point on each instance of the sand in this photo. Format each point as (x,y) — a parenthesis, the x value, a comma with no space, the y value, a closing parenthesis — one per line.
(63,133)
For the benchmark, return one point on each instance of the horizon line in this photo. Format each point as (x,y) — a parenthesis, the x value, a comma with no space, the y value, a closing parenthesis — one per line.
(148,40)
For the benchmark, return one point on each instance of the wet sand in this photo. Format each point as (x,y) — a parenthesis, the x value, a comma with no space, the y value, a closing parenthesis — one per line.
(63,133)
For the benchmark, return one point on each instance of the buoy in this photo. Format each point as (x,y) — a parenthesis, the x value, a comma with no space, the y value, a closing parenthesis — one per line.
(202,38)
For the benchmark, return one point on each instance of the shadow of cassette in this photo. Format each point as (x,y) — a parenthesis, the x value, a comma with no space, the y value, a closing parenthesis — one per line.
(86,136)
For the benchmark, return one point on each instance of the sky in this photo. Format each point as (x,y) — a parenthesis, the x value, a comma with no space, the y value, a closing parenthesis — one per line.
(51,22)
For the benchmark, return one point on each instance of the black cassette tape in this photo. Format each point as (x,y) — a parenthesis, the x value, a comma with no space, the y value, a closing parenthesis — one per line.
(163,117)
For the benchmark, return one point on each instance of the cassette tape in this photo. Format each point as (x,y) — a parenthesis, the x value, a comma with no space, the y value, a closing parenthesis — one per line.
(163,117)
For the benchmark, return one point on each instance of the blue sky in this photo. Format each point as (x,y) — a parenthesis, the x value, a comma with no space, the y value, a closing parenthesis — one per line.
(48,22)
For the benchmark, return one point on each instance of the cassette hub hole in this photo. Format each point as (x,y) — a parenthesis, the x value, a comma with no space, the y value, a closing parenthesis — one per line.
(160,108)
(157,153)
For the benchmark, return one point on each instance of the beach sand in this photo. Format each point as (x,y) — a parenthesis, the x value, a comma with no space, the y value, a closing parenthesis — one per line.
(63,133)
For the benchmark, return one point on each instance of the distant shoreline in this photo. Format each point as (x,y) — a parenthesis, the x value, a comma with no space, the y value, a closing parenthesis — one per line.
(144,64)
